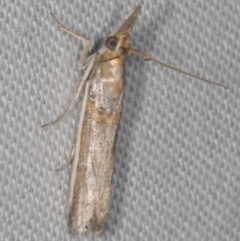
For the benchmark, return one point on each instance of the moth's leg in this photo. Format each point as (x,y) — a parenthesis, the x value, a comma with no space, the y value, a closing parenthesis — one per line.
(81,63)
(69,161)
(84,54)
(77,93)
(87,62)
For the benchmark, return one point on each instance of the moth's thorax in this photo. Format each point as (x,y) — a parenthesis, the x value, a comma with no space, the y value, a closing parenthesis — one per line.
(112,73)
(106,88)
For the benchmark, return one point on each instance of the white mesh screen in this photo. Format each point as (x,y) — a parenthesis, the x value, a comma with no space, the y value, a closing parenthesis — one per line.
(177,169)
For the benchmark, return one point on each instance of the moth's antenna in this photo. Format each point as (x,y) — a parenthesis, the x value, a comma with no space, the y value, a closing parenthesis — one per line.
(148,57)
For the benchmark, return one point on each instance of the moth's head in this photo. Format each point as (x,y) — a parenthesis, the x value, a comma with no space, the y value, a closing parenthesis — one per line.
(120,41)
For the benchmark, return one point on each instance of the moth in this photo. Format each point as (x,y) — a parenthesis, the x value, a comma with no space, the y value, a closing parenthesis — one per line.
(92,158)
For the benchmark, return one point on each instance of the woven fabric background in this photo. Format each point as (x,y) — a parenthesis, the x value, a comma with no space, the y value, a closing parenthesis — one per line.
(177,168)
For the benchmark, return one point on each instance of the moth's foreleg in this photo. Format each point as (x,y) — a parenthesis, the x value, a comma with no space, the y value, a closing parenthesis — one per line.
(84,54)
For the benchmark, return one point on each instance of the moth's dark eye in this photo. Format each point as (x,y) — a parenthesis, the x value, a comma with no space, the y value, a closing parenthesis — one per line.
(111,42)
